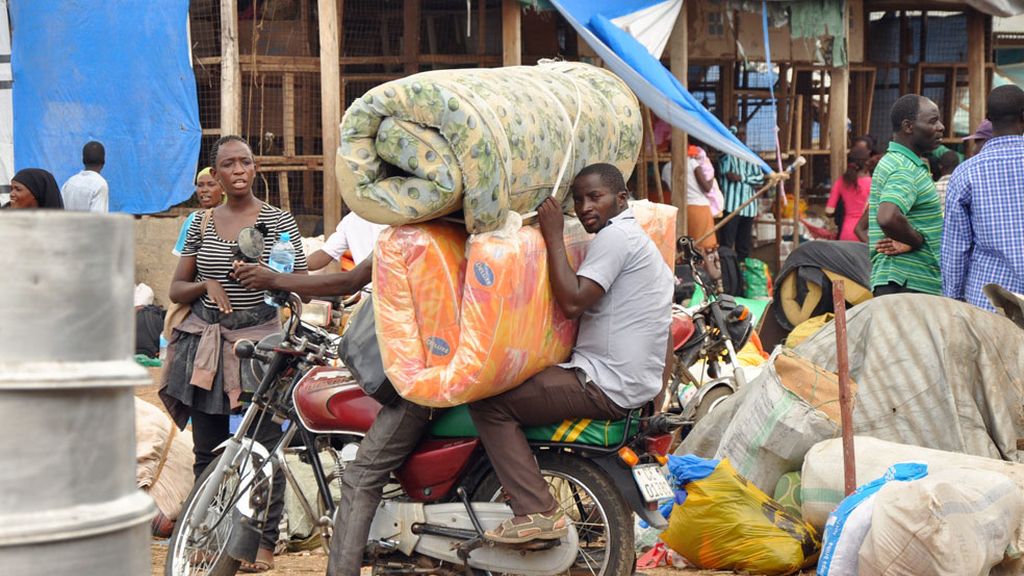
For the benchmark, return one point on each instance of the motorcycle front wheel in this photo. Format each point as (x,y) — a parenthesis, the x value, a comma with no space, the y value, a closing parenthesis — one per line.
(202,552)
(591,501)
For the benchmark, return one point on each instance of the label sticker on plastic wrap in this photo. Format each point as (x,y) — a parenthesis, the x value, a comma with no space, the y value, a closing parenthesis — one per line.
(484,274)
(438,346)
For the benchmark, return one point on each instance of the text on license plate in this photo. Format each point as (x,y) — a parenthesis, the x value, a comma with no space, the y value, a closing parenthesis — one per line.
(650,479)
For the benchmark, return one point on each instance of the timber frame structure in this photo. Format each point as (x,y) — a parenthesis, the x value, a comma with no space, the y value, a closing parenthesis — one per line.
(243,62)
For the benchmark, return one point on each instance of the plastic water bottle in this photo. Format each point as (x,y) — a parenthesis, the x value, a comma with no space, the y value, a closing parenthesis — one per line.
(282,260)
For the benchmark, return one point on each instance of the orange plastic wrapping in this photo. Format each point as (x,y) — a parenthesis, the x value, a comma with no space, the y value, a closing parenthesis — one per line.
(460,319)
(659,221)
(454,328)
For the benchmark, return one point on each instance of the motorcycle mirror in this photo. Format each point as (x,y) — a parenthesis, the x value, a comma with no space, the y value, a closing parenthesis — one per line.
(250,243)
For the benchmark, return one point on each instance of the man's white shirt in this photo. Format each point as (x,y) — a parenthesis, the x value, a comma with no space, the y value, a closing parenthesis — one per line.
(354,234)
(86,192)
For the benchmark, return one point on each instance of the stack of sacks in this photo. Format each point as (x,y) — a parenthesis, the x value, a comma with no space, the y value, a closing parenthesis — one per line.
(463,318)
(482,141)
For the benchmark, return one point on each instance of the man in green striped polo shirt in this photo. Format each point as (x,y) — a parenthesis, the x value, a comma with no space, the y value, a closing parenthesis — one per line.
(904,216)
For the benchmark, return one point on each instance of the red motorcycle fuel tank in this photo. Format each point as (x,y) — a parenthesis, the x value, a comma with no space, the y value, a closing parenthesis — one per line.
(328,400)
(682,329)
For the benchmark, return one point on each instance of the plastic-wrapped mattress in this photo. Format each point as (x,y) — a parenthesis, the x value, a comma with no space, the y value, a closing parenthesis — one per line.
(484,141)
(460,318)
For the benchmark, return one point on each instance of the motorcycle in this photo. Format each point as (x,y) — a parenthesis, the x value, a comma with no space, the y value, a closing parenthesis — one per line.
(446,494)
(708,334)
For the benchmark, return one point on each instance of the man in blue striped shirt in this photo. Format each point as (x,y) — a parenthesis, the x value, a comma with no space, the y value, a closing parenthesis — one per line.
(983,241)
(739,180)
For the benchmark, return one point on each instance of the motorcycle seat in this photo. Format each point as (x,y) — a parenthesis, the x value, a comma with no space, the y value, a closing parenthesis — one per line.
(457,423)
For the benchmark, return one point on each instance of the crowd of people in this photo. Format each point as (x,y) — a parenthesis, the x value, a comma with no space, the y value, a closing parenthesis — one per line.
(936,225)
(934,222)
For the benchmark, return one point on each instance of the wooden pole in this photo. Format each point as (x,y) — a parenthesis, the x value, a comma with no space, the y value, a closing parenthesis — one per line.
(330,114)
(511,33)
(727,106)
(641,166)
(839,110)
(679,61)
(649,124)
(481,27)
(411,36)
(230,70)
(976,80)
(845,398)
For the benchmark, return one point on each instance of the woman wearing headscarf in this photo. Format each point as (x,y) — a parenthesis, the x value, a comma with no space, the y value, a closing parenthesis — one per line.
(35,188)
(210,195)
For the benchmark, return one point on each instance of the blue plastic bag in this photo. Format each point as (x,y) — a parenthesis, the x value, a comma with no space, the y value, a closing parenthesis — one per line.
(836,560)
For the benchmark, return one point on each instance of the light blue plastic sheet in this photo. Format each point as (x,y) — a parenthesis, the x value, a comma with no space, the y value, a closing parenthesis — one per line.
(118,72)
(653,84)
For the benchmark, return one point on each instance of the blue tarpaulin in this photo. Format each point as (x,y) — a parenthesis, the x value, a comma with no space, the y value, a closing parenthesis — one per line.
(115,71)
(653,84)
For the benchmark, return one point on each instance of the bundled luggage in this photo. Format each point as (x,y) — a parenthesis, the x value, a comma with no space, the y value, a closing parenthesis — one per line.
(484,141)
(460,318)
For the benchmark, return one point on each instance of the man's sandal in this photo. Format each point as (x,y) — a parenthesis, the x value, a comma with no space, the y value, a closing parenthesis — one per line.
(260,564)
(536,527)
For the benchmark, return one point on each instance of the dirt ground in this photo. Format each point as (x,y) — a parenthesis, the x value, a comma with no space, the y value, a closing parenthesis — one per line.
(315,563)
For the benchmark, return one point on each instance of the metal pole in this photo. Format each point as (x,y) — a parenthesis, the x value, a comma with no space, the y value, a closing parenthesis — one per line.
(845,400)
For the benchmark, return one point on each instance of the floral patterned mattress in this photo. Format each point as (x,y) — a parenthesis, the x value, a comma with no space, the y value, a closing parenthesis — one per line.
(483,141)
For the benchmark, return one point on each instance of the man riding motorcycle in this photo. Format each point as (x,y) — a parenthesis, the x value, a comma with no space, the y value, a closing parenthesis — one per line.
(622,294)
(623,280)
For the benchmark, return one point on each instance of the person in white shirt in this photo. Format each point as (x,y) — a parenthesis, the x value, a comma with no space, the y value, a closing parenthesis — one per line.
(354,234)
(87,191)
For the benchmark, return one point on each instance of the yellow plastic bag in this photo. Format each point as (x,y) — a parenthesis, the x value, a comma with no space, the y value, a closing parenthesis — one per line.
(726,523)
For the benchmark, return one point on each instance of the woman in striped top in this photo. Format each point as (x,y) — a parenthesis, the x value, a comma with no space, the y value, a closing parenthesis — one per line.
(202,380)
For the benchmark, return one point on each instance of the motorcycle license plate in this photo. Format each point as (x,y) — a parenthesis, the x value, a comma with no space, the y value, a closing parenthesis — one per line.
(650,479)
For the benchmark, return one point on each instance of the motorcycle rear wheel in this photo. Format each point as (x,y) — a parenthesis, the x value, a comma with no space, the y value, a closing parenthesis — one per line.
(195,553)
(591,501)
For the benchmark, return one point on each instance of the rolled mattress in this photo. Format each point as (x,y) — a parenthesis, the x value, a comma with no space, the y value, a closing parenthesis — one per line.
(483,141)
(460,318)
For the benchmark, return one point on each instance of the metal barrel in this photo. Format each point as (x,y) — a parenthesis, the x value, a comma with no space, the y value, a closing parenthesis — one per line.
(68,499)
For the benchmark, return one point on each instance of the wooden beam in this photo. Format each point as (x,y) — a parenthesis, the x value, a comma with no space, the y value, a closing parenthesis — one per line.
(976,80)
(330,114)
(230,70)
(285,202)
(288,116)
(797,183)
(288,101)
(905,49)
(411,36)
(838,112)
(679,62)
(727,78)
(481,27)
(511,33)
(649,128)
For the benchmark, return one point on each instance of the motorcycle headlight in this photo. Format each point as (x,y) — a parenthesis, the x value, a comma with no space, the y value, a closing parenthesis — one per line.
(253,368)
